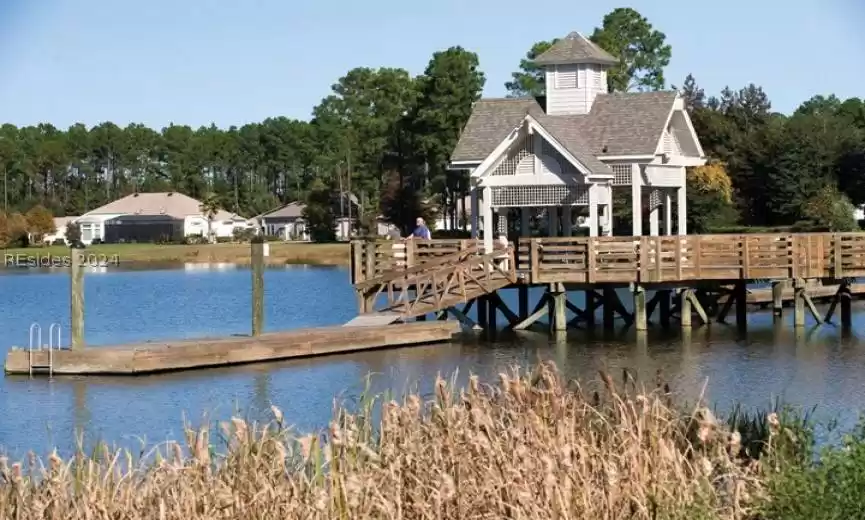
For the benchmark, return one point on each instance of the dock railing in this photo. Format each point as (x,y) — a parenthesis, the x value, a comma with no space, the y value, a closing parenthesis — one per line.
(656,259)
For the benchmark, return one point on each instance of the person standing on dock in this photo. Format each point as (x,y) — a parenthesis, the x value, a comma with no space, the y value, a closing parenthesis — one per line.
(421,231)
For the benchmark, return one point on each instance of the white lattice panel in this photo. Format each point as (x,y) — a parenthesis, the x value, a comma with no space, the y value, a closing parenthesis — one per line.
(622,174)
(533,196)
(517,153)
(654,198)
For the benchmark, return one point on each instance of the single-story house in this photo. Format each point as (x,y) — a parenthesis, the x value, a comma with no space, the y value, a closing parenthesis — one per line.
(285,222)
(172,204)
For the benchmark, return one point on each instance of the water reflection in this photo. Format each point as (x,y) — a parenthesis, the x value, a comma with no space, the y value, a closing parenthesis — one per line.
(815,365)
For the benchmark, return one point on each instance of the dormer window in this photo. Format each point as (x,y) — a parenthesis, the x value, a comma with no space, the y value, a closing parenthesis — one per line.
(566,76)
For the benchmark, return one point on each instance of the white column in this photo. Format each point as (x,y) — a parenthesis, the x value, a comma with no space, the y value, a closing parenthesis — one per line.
(567,222)
(593,210)
(489,226)
(668,213)
(682,210)
(553,220)
(525,221)
(607,229)
(654,213)
(637,199)
(475,212)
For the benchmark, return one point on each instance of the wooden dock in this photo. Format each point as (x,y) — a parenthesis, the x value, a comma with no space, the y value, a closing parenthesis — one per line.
(148,358)
(688,276)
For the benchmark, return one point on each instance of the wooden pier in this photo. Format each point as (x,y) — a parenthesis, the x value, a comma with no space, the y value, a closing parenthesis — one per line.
(365,332)
(155,357)
(687,277)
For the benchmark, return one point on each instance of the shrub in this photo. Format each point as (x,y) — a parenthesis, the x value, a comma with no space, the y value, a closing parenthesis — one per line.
(531,446)
(832,487)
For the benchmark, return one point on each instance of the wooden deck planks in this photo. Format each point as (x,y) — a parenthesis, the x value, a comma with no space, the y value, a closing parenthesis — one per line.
(201,353)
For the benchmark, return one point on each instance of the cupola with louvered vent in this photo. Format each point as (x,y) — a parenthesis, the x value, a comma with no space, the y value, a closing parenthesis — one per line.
(576,72)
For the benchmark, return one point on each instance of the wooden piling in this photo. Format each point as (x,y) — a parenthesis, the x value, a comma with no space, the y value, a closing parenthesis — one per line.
(591,307)
(778,299)
(483,313)
(640,318)
(799,303)
(685,308)
(77,298)
(665,296)
(609,308)
(558,321)
(740,294)
(846,299)
(523,302)
(257,255)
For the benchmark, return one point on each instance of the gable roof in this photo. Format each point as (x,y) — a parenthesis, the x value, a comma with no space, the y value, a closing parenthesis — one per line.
(618,124)
(169,203)
(290,210)
(572,49)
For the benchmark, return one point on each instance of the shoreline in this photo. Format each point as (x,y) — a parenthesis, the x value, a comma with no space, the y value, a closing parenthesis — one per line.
(281,253)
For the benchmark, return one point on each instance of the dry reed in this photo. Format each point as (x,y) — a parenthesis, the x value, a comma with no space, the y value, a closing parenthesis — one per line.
(529,447)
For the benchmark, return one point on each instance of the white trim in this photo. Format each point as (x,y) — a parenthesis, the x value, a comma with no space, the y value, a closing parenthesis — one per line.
(494,156)
(694,135)
(565,153)
(659,148)
(678,105)
(683,160)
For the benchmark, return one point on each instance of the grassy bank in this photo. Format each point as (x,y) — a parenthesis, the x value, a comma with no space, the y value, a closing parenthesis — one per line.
(532,446)
(280,253)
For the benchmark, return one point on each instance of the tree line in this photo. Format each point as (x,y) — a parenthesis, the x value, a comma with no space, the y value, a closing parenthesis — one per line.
(386,136)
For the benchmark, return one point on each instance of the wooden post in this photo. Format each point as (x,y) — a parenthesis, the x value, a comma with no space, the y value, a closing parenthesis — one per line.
(685,308)
(558,321)
(778,299)
(591,307)
(523,301)
(799,303)
(640,318)
(492,311)
(609,308)
(482,312)
(846,298)
(257,255)
(665,296)
(741,296)
(77,298)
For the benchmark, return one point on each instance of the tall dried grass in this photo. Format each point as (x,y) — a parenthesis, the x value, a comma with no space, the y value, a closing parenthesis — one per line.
(529,447)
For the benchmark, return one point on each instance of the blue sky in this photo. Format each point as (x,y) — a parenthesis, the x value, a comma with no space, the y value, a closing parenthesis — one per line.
(238,61)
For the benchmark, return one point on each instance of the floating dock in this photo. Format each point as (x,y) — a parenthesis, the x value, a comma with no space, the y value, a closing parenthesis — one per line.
(148,358)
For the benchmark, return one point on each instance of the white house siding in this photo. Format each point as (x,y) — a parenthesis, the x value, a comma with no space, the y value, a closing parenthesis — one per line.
(93,226)
(565,98)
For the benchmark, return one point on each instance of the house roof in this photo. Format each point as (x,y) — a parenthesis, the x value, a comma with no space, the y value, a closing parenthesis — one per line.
(618,124)
(173,204)
(572,49)
(290,210)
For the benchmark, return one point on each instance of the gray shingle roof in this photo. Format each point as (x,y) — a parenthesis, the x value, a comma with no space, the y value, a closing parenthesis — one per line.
(489,124)
(618,124)
(290,210)
(575,48)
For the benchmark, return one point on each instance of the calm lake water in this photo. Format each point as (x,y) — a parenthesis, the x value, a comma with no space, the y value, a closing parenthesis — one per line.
(816,366)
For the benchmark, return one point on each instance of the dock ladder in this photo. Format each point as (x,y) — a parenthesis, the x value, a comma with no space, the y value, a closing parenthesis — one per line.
(36,345)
